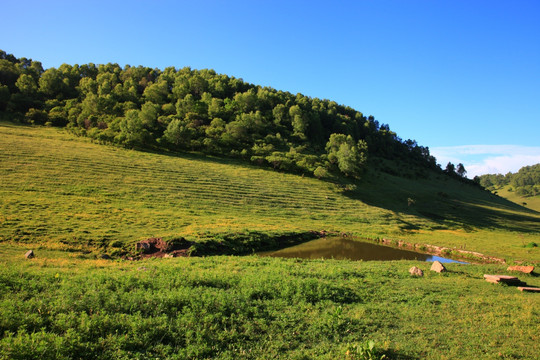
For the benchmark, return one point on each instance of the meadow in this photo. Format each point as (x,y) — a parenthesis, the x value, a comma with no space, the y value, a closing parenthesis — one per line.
(59,306)
(531,202)
(72,201)
(63,192)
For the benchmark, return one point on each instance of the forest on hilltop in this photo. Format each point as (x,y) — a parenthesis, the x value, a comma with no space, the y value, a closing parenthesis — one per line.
(526,182)
(200,110)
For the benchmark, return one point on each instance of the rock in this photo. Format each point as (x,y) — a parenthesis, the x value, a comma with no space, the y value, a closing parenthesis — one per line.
(29,254)
(438,267)
(168,255)
(528,288)
(523,269)
(502,278)
(414,271)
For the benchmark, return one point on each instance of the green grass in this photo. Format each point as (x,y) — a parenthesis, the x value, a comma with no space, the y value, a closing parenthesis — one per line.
(531,202)
(64,192)
(69,199)
(60,307)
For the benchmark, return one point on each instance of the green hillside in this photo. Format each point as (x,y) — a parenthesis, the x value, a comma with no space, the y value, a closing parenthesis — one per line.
(132,153)
(187,109)
(66,192)
(531,202)
(522,187)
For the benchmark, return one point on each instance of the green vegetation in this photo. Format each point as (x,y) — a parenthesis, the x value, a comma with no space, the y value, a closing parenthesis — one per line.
(531,202)
(525,183)
(206,174)
(65,192)
(522,187)
(186,109)
(59,307)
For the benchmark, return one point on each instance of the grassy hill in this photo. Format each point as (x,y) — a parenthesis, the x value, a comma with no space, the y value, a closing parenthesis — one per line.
(531,202)
(65,196)
(65,192)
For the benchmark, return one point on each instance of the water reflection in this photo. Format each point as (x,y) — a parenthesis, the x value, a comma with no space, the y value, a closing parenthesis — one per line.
(347,249)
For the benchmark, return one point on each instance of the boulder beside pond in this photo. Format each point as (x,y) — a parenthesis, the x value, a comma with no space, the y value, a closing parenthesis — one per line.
(414,271)
(438,267)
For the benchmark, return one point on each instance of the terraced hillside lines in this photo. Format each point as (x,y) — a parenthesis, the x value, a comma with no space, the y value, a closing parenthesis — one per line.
(63,191)
(56,187)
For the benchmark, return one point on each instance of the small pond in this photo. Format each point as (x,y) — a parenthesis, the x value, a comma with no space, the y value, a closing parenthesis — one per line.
(347,249)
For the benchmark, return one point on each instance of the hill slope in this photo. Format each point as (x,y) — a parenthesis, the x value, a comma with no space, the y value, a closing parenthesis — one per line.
(186,109)
(531,202)
(522,187)
(66,192)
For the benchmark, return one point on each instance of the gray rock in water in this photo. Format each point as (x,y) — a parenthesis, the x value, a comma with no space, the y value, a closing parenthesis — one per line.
(29,254)
(438,267)
(414,271)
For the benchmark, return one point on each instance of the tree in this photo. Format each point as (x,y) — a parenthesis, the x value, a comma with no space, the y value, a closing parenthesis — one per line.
(179,133)
(37,117)
(9,73)
(157,93)
(27,85)
(132,131)
(320,172)
(450,168)
(460,170)
(299,121)
(349,157)
(50,83)
(4,97)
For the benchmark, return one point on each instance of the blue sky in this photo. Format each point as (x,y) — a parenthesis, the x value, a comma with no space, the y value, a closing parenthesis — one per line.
(453,75)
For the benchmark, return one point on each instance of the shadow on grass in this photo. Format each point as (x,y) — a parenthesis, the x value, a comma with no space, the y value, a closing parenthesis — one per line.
(466,207)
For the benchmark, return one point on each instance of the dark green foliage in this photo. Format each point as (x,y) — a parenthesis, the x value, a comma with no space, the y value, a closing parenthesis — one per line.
(185,109)
(247,242)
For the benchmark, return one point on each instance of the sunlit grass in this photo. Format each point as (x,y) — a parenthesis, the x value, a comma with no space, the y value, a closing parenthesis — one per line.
(62,192)
(532,202)
(255,308)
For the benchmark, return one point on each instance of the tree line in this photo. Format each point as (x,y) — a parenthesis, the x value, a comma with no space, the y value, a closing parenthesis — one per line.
(200,110)
(526,182)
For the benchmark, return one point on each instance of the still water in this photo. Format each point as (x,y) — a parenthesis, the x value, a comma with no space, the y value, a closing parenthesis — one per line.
(347,249)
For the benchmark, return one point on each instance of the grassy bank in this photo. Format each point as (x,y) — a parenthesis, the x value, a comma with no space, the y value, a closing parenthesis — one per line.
(58,306)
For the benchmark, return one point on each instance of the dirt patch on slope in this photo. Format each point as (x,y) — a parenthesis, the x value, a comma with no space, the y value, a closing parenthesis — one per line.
(157,247)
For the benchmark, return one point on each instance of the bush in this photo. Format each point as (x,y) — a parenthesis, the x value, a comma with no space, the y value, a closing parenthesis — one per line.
(36,117)
(320,172)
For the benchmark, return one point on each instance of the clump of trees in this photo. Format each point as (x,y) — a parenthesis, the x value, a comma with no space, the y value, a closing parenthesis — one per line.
(200,110)
(456,171)
(526,182)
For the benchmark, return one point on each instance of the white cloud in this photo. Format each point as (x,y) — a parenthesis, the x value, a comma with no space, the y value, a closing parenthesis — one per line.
(488,159)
